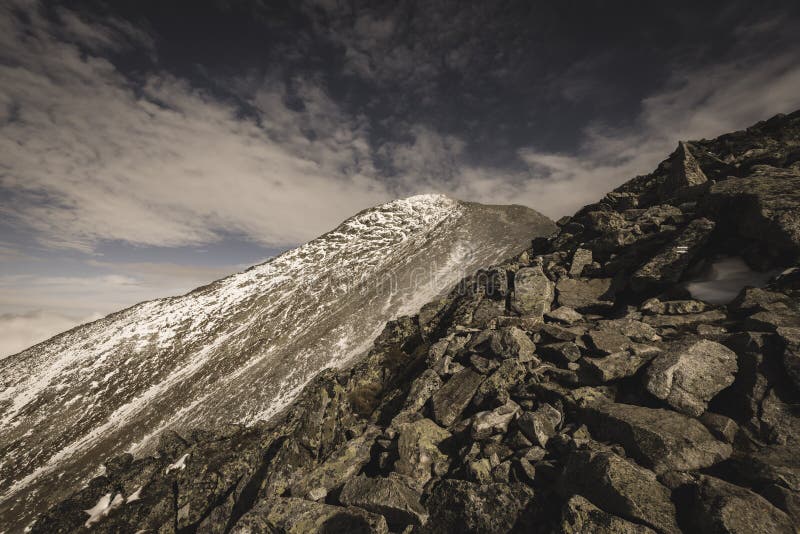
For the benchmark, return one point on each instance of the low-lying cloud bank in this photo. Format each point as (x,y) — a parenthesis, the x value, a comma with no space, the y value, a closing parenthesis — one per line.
(20,331)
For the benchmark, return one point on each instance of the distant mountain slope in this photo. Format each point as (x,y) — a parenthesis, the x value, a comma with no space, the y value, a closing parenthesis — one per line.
(112,385)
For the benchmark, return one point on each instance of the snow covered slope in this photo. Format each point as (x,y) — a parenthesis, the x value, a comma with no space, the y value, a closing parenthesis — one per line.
(237,350)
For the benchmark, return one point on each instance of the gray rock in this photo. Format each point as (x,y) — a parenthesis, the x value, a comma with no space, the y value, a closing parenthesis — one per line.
(684,170)
(791,353)
(620,487)
(389,497)
(764,206)
(495,388)
(580,259)
(615,366)
(607,341)
(661,440)
(423,387)
(418,448)
(667,267)
(470,508)
(343,464)
(661,321)
(454,396)
(564,314)
(539,426)
(673,307)
(579,516)
(720,506)
(560,353)
(298,516)
(533,292)
(688,375)
(488,423)
(722,427)
(584,294)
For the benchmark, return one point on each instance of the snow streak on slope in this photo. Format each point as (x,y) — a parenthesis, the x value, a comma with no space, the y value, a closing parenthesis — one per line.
(238,349)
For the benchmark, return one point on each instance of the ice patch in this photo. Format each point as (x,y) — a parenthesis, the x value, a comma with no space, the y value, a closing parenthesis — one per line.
(724,280)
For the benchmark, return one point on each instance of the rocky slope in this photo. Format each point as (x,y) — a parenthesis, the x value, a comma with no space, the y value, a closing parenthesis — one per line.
(576,387)
(237,350)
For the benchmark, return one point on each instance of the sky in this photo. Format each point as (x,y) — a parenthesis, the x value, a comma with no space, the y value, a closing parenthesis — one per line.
(150,147)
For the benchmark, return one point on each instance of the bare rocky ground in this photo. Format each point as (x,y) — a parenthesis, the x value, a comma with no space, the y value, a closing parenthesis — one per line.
(576,387)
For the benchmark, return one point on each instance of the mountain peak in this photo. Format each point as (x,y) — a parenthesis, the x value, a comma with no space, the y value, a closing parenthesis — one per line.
(115,384)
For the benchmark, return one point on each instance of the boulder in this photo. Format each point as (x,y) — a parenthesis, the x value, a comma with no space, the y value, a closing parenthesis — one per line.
(564,314)
(764,207)
(585,294)
(298,516)
(719,506)
(423,387)
(607,341)
(389,497)
(539,426)
(579,516)
(614,366)
(470,508)
(488,423)
(454,396)
(560,353)
(533,292)
(655,306)
(675,321)
(667,266)
(507,342)
(343,464)
(494,390)
(661,440)
(580,259)
(791,353)
(418,449)
(684,171)
(620,487)
(689,374)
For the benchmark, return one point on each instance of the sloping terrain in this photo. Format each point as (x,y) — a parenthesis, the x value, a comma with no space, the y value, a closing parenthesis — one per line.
(576,387)
(237,350)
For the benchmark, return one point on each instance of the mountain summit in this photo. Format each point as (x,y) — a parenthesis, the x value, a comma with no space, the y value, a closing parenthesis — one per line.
(237,350)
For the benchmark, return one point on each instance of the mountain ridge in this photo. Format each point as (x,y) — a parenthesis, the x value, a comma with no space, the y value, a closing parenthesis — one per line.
(110,384)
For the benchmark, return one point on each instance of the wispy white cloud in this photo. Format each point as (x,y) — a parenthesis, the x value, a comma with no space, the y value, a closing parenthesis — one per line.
(89,158)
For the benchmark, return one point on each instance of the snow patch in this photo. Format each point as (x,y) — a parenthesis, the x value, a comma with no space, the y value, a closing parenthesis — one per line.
(103,507)
(135,496)
(180,465)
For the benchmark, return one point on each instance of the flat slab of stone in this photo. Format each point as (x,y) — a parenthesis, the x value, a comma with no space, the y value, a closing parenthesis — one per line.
(454,396)
(584,294)
(661,440)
